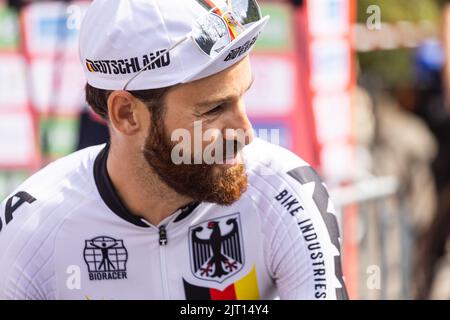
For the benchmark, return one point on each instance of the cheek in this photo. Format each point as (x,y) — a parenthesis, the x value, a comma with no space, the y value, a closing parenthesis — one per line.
(169,121)
(192,133)
(144,133)
(176,129)
(211,136)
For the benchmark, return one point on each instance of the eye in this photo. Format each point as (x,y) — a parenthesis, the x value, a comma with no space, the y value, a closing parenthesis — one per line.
(215,110)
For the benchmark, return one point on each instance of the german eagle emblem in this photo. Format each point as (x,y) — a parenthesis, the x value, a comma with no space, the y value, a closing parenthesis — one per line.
(216,248)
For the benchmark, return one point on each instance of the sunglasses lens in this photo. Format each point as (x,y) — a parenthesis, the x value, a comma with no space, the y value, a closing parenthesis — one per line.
(223,23)
(211,34)
(247,11)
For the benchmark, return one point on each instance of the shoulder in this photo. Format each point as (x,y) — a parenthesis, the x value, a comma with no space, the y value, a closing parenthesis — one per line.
(74,168)
(299,222)
(287,184)
(55,185)
(262,154)
(273,165)
(31,215)
(286,188)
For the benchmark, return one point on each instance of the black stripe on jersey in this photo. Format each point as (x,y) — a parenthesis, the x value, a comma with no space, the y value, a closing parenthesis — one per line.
(10,208)
(321,197)
(109,193)
(187,210)
(110,197)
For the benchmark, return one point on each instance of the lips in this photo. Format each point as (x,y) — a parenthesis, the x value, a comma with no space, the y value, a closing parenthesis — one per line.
(233,160)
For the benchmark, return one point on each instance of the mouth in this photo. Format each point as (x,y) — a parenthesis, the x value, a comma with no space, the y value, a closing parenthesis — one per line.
(233,160)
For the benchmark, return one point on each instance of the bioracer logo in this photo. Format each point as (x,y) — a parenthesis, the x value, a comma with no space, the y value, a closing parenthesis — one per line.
(106,258)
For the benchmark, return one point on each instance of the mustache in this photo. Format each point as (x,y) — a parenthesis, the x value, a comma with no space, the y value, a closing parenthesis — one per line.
(216,152)
(220,151)
(232,148)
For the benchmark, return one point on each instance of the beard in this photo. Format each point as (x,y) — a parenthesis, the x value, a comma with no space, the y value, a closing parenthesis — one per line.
(200,182)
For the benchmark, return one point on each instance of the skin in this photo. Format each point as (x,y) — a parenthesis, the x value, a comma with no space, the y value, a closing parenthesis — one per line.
(216,100)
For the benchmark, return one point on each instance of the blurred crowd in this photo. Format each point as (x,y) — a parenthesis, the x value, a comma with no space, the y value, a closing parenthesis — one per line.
(404,129)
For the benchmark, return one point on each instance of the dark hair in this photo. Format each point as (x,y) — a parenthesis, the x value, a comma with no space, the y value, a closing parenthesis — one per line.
(153,98)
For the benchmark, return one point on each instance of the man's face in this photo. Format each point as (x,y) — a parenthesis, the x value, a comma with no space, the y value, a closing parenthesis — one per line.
(205,126)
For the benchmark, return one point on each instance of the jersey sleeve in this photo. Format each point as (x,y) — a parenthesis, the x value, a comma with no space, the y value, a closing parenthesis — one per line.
(25,259)
(304,247)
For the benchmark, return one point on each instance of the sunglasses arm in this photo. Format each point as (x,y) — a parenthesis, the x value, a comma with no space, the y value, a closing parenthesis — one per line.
(173,46)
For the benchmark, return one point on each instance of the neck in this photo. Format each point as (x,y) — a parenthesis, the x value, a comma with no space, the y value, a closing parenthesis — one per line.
(140,189)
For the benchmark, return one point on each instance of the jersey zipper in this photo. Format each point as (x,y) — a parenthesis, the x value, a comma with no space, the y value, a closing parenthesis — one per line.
(162,258)
(163,241)
(162,235)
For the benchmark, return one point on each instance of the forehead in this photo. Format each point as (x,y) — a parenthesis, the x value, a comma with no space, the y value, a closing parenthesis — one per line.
(231,82)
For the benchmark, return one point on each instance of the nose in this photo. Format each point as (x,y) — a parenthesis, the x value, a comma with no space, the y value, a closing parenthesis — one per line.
(239,126)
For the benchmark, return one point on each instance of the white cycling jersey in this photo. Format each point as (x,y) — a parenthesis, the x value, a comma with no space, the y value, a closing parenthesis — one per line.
(65,234)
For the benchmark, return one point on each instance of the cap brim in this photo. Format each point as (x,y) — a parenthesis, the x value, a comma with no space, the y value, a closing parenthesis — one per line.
(233,53)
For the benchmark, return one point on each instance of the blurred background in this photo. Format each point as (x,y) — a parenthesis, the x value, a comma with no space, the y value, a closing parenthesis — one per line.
(358,88)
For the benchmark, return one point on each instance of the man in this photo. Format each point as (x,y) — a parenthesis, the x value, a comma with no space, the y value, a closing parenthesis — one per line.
(177,218)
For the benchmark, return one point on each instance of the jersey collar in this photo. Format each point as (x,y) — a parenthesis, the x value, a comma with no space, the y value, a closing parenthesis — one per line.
(110,197)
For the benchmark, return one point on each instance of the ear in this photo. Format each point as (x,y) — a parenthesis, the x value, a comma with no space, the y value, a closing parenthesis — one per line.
(123,112)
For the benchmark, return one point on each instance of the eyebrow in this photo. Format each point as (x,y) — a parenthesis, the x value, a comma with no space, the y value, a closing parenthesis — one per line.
(220,100)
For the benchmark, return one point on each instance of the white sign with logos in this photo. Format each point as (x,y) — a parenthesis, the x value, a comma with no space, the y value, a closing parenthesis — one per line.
(329,18)
(13,85)
(330,65)
(53,27)
(333,116)
(17,137)
(273,91)
(57,90)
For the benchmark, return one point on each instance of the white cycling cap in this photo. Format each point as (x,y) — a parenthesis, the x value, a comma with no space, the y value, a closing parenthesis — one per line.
(119,37)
